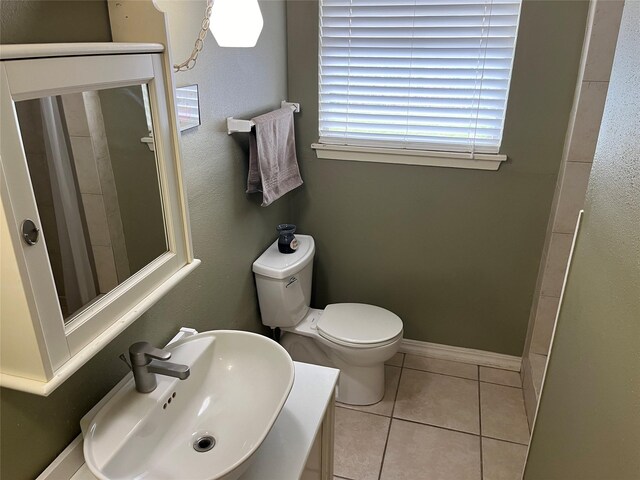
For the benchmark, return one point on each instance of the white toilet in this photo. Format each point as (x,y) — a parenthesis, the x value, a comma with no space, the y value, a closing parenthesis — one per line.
(354,337)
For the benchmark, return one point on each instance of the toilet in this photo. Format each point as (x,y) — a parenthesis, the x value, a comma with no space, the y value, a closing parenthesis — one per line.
(354,337)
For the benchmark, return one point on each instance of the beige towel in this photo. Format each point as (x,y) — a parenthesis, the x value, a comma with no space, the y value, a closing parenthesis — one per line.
(273,165)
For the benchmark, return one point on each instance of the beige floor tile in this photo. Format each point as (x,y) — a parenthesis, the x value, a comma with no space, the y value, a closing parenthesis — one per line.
(396,360)
(359,444)
(384,406)
(503,414)
(417,452)
(446,367)
(439,400)
(502,460)
(501,377)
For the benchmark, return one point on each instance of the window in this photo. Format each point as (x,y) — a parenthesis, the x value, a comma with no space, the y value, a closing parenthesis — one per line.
(430,75)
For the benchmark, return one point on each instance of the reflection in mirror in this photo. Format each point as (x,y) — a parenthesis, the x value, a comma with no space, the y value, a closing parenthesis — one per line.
(96,186)
(188,106)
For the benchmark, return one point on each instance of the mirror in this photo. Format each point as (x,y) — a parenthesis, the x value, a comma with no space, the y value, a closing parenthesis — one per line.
(95,177)
(188,106)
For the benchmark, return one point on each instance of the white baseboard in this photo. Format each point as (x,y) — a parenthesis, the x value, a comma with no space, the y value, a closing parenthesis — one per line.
(461,354)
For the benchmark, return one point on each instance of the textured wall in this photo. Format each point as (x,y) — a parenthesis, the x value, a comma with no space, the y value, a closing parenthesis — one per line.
(582,135)
(588,424)
(454,252)
(46,21)
(229,229)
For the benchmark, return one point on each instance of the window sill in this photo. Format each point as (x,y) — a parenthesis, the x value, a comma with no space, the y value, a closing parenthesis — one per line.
(477,161)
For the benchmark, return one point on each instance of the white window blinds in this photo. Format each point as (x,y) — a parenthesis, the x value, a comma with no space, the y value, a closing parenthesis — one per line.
(416,74)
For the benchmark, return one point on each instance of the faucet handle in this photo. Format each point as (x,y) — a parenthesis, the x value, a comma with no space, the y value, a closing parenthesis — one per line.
(141,353)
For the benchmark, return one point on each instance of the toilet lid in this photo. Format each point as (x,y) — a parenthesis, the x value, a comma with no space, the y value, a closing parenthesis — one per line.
(359,324)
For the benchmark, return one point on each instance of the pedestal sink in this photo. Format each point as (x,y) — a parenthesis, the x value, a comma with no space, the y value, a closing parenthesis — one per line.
(205,427)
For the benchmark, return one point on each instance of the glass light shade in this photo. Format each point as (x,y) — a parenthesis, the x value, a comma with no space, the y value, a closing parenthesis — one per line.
(236,23)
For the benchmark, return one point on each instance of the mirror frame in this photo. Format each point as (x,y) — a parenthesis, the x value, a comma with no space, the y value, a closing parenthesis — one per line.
(64,348)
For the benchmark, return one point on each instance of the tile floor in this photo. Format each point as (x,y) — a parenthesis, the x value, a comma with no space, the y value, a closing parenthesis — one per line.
(438,420)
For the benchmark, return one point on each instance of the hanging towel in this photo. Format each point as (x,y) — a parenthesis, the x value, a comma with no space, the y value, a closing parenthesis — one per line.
(273,165)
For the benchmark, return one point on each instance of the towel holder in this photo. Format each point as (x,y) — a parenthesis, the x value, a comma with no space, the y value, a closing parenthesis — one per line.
(235,125)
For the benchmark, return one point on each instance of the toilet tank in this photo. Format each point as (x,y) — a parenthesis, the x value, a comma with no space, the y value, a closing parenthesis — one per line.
(283,281)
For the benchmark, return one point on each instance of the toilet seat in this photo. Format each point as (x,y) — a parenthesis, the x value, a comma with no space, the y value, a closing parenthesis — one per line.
(359,325)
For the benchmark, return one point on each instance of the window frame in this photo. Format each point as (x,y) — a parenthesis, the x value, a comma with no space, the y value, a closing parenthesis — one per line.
(411,155)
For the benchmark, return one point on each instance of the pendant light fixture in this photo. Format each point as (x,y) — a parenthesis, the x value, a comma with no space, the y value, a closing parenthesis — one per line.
(236,23)
(233,23)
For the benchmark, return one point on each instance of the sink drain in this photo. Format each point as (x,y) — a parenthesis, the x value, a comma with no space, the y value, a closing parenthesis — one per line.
(204,443)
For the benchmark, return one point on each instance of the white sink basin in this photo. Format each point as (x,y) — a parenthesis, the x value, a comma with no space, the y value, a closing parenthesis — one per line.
(239,382)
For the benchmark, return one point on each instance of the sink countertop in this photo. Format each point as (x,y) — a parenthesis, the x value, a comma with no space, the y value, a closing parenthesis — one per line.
(283,454)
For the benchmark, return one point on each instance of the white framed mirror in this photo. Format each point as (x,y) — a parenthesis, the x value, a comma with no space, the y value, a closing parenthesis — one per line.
(188,105)
(97,189)
(110,213)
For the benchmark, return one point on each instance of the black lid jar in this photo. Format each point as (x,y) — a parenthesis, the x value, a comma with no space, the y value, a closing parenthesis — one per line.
(287,242)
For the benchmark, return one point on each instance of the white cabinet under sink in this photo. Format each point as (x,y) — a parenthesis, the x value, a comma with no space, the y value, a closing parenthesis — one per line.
(304,429)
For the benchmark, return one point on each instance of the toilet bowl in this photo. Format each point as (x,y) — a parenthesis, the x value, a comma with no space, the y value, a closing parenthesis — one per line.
(361,366)
(356,338)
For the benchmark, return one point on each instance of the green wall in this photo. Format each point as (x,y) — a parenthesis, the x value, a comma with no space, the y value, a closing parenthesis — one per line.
(454,252)
(230,229)
(45,21)
(588,424)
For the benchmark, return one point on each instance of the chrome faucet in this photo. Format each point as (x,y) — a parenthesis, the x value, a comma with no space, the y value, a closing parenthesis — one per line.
(147,361)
